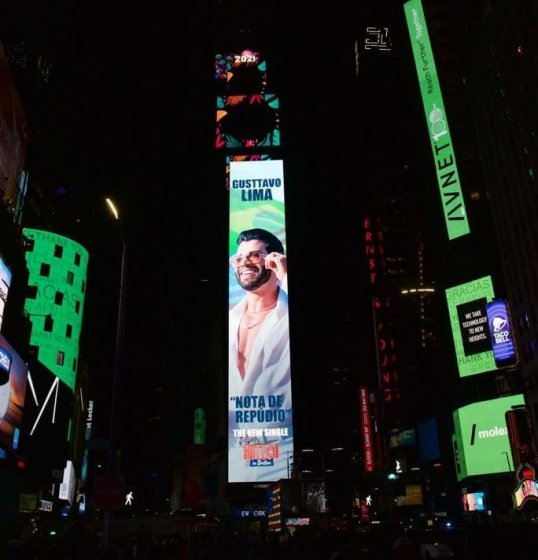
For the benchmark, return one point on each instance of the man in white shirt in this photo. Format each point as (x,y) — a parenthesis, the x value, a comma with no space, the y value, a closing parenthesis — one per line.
(259,360)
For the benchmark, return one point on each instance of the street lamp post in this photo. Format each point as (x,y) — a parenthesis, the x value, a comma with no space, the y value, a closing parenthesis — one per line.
(118,355)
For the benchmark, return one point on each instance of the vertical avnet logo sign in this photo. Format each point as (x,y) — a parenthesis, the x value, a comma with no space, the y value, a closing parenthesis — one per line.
(443,151)
(260,428)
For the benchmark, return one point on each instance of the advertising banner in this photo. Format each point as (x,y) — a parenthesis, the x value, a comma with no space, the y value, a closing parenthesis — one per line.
(13,378)
(260,428)
(482,437)
(441,142)
(502,333)
(469,322)
(366,426)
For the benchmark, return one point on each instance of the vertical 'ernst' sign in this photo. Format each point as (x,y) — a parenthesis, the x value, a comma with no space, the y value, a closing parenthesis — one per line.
(442,148)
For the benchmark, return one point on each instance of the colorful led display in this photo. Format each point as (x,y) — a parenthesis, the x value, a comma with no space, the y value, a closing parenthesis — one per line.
(13,378)
(502,334)
(247,114)
(481,436)
(57,269)
(473,501)
(5,283)
(441,142)
(468,319)
(260,428)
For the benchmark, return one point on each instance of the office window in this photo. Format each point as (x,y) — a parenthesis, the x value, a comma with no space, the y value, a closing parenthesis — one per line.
(60,357)
(58,298)
(77,259)
(58,251)
(77,306)
(70,278)
(69,331)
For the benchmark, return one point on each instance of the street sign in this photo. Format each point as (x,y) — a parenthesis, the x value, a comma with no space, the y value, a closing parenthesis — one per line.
(109,491)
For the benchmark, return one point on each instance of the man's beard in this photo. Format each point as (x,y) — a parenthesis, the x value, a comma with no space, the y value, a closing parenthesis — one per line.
(262,276)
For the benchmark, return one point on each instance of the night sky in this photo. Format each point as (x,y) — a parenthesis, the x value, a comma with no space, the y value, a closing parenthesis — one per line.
(131,104)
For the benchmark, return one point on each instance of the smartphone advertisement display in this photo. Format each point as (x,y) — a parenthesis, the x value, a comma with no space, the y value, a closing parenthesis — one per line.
(13,378)
(260,427)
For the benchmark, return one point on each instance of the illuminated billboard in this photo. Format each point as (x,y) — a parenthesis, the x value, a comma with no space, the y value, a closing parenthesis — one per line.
(438,131)
(502,333)
(13,378)
(481,436)
(57,283)
(366,427)
(260,428)
(5,283)
(247,114)
(469,322)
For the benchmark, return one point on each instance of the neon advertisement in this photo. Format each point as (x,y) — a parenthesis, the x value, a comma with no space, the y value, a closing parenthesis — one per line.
(502,334)
(527,486)
(13,379)
(481,433)
(57,268)
(439,134)
(260,427)
(468,319)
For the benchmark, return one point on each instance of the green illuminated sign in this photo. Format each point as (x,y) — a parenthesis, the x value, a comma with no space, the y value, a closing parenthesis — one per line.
(468,319)
(442,149)
(57,269)
(481,436)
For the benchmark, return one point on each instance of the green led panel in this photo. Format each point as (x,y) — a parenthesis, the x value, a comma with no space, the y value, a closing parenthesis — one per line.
(468,319)
(57,269)
(441,142)
(481,435)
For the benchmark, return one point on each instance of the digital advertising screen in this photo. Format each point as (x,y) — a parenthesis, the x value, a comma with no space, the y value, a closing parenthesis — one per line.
(260,427)
(57,268)
(441,143)
(482,439)
(502,333)
(5,283)
(240,73)
(469,323)
(13,379)
(473,501)
(248,121)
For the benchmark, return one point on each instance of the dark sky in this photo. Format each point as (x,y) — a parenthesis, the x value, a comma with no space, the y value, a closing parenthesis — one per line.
(131,106)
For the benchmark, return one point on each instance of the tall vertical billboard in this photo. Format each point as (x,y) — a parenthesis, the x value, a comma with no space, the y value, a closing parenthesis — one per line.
(481,435)
(468,318)
(260,427)
(57,279)
(442,149)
